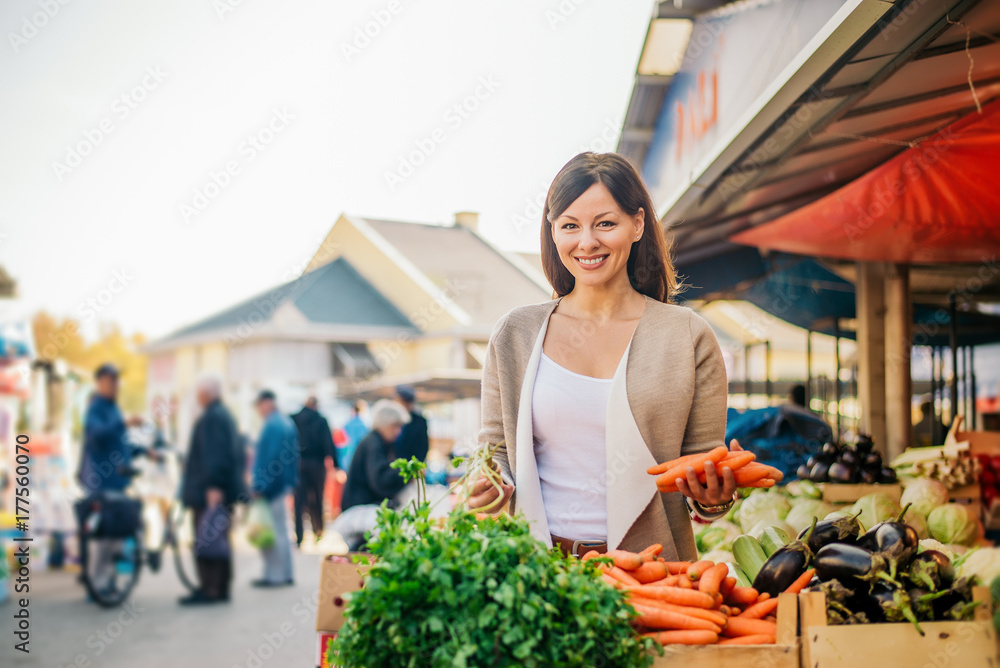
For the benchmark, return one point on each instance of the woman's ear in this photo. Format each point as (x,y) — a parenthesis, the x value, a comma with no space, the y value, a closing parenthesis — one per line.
(640,222)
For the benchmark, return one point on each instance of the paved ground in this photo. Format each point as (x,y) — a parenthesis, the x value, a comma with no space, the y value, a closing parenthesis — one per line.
(259,628)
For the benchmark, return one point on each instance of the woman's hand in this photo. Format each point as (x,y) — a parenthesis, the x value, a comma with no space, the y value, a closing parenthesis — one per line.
(719,487)
(484,494)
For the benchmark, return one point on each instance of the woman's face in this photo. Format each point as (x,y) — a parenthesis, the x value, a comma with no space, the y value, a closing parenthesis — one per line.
(594,237)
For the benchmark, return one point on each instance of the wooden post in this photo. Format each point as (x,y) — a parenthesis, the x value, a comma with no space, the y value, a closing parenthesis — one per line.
(836,373)
(898,347)
(936,435)
(871,349)
(746,372)
(953,342)
(972,387)
(809,368)
(767,370)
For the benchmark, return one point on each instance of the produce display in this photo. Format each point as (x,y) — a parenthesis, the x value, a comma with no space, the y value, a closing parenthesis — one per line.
(699,603)
(850,464)
(951,465)
(989,479)
(748,473)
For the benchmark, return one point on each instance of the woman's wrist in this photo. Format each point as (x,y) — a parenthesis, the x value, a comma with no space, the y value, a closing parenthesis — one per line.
(709,512)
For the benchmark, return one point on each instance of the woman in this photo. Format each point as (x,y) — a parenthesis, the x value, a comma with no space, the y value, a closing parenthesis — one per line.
(587,391)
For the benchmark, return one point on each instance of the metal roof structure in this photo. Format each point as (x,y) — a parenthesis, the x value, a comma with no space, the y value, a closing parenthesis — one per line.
(879,78)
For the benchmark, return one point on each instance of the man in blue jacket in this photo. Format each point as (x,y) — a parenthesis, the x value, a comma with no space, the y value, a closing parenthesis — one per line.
(275,477)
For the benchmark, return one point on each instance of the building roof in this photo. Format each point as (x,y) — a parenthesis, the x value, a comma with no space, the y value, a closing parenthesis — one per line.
(334,294)
(484,281)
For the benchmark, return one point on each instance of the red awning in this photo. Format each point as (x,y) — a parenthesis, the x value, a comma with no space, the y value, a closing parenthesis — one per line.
(935,203)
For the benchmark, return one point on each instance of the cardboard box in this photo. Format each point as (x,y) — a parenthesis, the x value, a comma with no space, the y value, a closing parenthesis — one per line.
(338,575)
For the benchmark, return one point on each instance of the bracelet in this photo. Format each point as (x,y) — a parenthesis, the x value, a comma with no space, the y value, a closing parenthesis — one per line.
(714,510)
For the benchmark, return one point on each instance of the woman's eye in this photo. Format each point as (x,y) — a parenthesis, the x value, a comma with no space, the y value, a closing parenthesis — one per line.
(569,226)
(606,223)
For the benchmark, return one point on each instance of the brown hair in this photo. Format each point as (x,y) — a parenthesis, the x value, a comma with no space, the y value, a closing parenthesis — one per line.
(650,270)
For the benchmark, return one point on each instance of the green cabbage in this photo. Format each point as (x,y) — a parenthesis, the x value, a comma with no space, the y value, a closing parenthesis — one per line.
(762,506)
(875,508)
(983,563)
(924,495)
(759,528)
(803,511)
(953,523)
(718,556)
(917,521)
(717,535)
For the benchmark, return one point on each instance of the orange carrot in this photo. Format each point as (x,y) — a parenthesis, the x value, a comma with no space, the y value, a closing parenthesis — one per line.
(743,595)
(748,640)
(658,618)
(617,584)
(684,582)
(750,473)
(590,555)
(801,582)
(760,610)
(625,560)
(684,637)
(714,616)
(673,463)
(699,568)
(738,626)
(711,581)
(736,460)
(675,595)
(728,584)
(651,571)
(620,575)
(652,551)
(763,597)
(698,464)
(764,482)
(678,567)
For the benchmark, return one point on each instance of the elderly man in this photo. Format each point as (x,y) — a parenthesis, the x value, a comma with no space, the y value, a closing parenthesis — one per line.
(213,475)
(275,477)
(371,479)
(315,448)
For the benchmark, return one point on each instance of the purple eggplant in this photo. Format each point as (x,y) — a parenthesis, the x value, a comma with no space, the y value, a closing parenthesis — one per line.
(843,472)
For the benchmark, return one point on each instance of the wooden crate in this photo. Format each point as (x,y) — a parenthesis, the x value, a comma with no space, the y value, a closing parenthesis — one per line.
(834,493)
(953,644)
(783,654)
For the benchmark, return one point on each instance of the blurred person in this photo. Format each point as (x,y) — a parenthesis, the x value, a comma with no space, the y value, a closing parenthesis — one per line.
(928,426)
(275,477)
(355,430)
(413,442)
(371,479)
(104,463)
(213,475)
(797,396)
(315,449)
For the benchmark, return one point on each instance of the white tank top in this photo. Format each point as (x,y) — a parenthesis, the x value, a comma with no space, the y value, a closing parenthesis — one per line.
(568,417)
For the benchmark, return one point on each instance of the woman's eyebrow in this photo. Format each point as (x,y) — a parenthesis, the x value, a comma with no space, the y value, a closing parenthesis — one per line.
(600,215)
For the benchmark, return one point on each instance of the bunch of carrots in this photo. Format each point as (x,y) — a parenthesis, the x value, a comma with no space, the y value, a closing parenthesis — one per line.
(692,603)
(748,473)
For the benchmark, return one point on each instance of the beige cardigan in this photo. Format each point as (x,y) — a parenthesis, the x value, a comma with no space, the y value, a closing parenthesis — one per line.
(667,399)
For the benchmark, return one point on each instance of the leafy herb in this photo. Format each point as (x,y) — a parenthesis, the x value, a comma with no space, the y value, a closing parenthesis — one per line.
(480,592)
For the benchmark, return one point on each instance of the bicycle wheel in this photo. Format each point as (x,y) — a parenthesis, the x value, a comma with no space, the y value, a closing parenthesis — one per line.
(113,567)
(179,536)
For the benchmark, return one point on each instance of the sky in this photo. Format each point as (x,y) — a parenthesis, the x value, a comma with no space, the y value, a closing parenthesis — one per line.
(161,161)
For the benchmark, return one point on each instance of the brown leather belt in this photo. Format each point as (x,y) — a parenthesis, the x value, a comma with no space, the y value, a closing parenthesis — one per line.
(578,548)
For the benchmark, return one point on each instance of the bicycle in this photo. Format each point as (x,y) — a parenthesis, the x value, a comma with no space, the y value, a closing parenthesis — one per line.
(117,525)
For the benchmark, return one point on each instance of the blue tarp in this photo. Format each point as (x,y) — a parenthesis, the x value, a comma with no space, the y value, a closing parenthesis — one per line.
(781,436)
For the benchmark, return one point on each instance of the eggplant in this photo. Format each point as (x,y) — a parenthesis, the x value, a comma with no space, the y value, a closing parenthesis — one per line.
(847,563)
(864,444)
(840,530)
(868,476)
(850,456)
(785,566)
(821,457)
(820,472)
(830,449)
(843,472)
(887,476)
(873,460)
(803,472)
(895,540)
(932,570)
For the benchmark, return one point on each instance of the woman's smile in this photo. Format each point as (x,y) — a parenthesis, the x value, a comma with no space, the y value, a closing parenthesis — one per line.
(591,261)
